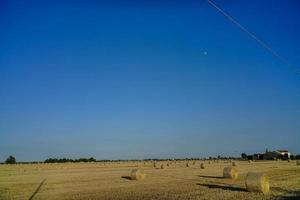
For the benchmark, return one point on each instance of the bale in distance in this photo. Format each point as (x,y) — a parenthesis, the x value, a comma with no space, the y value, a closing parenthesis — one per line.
(249,161)
(202,166)
(163,166)
(230,172)
(137,174)
(298,162)
(155,165)
(257,182)
(187,164)
(233,164)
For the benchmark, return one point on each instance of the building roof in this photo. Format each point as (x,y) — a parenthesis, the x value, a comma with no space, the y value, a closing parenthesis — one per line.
(286,151)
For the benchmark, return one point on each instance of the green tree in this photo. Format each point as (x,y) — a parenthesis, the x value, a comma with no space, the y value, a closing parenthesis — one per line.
(292,157)
(10,160)
(244,156)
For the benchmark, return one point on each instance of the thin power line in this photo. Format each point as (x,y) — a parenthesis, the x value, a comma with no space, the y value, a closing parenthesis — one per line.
(253,36)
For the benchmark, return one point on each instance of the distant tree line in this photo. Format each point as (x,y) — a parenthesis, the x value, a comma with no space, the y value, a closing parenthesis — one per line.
(295,157)
(244,156)
(65,160)
(12,159)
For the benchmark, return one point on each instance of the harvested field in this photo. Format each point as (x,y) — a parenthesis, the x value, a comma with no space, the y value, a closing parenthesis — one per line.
(110,181)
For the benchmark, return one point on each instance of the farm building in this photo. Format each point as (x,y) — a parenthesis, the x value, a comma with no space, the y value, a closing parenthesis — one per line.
(285,154)
(271,155)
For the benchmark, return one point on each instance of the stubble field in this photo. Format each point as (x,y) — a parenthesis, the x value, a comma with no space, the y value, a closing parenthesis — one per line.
(111,181)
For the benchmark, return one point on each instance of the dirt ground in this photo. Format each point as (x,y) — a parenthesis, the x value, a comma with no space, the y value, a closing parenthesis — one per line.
(110,181)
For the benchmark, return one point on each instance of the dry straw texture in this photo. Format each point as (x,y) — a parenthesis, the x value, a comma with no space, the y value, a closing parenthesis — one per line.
(137,174)
(257,182)
(230,172)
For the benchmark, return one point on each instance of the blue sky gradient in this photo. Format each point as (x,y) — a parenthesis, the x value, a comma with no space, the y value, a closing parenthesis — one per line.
(146,79)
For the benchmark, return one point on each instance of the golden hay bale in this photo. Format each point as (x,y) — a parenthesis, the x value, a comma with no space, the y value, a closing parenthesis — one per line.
(137,174)
(298,162)
(187,164)
(155,165)
(233,164)
(249,161)
(202,166)
(163,166)
(257,182)
(230,172)
(168,164)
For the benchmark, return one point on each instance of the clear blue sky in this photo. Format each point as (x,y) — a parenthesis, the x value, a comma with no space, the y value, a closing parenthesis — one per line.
(143,79)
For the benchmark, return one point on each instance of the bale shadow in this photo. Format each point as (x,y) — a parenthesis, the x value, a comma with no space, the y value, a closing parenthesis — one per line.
(290,194)
(37,190)
(294,196)
(216,177)
(126,177)
(223,187)
(297,197)
(279,189)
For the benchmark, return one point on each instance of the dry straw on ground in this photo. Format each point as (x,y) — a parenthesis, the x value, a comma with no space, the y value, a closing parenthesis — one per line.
(137,174)
(257,182)
(230,172)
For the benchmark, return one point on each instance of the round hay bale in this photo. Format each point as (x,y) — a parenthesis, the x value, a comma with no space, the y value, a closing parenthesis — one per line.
(187,164)
(298,162)
(249,161)
(233,164)
(202,166)
(168,164)
(137,174)
(155,165)
(257,182)
(163,166)
(230,172)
